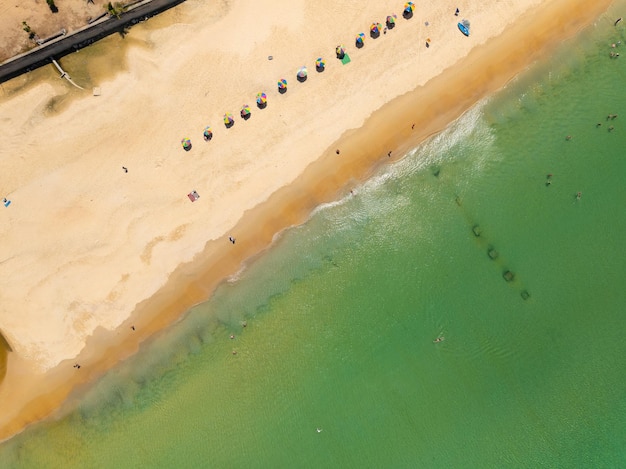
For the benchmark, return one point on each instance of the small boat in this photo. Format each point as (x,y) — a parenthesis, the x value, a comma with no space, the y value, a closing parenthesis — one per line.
(464,27)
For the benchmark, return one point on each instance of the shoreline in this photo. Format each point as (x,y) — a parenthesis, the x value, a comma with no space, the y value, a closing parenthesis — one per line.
(191,283)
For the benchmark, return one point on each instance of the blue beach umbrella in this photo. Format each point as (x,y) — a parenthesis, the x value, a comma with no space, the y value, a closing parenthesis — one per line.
(408,10)
(282,85)
(359,39)
(261,100)
(208,134)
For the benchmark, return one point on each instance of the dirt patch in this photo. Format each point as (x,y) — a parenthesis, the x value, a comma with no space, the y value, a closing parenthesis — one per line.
(71,15)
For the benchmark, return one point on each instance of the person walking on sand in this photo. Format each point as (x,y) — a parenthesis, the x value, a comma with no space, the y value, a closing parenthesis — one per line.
(231,239)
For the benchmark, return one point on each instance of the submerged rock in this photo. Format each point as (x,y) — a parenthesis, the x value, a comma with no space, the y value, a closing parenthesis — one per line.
(492,253)
(508,276)
(477,230)
(525,295)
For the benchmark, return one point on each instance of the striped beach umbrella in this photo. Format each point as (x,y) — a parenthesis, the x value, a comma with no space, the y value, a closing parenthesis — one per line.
(208,134)
(375,29)
(302,74)
(186,143)
(245,111)
(391,21)
(261,99)
(228,119)
(341,52)
(282,85)
(320,64)
(359,39)
(408,9)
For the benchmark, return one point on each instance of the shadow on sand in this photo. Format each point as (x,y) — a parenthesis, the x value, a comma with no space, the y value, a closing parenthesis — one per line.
(5,348)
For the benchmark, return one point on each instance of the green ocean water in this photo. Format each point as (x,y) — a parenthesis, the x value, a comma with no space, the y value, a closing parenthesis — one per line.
(342,312)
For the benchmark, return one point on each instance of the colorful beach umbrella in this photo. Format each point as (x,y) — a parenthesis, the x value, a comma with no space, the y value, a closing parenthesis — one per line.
(261,99)
(391,21)
(359,39)
(186,143)
(341,52)
(409,7)
(375,29)
(282,85)
(320,64)
(228,119)
(302,74)
(245,111)
(208,134)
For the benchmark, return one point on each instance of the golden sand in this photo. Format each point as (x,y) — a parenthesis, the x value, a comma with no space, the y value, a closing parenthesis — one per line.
(96,250)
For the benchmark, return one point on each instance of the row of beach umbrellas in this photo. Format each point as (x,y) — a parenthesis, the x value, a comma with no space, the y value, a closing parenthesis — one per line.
(301,75)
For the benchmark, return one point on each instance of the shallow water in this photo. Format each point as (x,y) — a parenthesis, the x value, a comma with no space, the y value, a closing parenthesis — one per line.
(342,313)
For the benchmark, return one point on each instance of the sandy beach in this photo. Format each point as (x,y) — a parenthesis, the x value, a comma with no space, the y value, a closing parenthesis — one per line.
(90,250)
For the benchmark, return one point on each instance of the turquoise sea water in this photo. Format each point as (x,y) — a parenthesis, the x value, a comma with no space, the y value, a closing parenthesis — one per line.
(342,312)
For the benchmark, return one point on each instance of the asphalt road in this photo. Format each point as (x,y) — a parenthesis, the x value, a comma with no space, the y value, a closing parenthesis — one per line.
(43,55)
